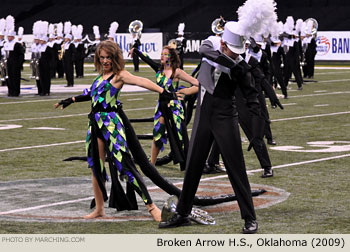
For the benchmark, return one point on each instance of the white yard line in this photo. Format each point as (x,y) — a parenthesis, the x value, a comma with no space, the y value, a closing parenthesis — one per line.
(179,183)
(41,146)
(310,116)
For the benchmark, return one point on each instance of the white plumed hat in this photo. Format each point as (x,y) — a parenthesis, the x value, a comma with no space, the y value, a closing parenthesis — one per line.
(113,29)
(2,26)
(181,28)
(10,26)
(96,30)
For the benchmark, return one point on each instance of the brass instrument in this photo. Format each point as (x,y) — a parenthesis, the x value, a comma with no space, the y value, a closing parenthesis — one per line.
(61,52)
(174,43)
(197,215)
(135,27)
(3,69)
(34,66)
(314,26)
(217,26)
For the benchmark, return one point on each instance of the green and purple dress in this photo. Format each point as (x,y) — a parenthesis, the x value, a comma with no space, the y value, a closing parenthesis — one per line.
(173,112)
(106,124)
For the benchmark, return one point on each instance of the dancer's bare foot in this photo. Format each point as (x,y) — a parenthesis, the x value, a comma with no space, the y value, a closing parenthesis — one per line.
(154,211)
(95,214)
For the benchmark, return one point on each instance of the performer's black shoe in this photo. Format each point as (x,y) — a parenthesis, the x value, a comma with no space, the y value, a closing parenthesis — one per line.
(250,227)
(212,169)
(268,172)
(164,160)
(300,88)
(176,220)
(271,142)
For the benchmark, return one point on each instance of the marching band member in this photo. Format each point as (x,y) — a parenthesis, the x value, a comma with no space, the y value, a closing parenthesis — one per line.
(113,27)
(2,62)
(181,43)
(14,52)
(278,57)
(59,51)
(109,136)
(79,51)
(68,55)
(310,51)
(35,56)
(170,117)
(292,63)
(51,44)
(44,60)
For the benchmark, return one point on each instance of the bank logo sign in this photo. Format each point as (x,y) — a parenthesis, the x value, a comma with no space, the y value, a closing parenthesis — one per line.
(323,45)
(333,46)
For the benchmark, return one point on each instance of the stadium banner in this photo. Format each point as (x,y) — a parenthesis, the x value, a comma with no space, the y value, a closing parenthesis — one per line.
(151,44)
(333,45)
(28,40)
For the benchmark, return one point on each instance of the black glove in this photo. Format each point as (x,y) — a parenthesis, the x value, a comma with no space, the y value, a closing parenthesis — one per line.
(240,69)
(65,103)
(276,103)
(167,96)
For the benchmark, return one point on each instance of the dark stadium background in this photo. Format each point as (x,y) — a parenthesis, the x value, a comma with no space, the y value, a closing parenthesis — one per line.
(165,15)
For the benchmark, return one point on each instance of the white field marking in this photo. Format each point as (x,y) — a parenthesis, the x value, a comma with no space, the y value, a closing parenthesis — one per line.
(46,128)
(41,118)
(290,104)
(9,126)
(325,73)
(62,116)
(331,67)
(320,91)
(135,99)
(41,146)
(310,116)
(51,100)
(43,206)
(321,105)
(331,81)
(179,183)
(332,93)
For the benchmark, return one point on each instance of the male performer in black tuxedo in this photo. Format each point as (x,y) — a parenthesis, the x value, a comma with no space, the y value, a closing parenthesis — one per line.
(14,52)
(215,120)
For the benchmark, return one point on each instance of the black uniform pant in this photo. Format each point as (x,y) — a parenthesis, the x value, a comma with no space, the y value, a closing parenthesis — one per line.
(59,68)
(14,80)
(293,66)
(79,68)
(216,121)
(136,62)
(69,71)
(278,74)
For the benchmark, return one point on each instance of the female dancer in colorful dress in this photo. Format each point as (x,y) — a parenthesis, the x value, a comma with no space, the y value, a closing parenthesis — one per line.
(107,134)
(169,116)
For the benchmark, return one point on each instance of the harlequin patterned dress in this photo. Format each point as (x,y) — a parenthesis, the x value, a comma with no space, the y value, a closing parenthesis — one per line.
(173,112)
(105,123)
(176,108)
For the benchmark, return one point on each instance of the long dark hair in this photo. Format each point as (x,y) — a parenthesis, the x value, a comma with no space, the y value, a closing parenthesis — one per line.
(174,60)
(114,51)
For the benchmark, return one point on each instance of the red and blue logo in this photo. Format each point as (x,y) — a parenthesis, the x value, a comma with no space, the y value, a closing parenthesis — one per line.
(323,45)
